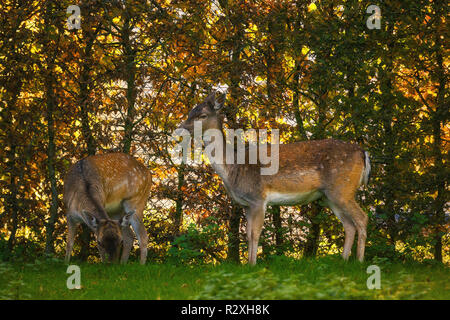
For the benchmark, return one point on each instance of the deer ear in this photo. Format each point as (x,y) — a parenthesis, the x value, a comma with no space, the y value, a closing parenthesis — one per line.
(211,97)
(219,101)
(90,220)
(210,100)
(125,220)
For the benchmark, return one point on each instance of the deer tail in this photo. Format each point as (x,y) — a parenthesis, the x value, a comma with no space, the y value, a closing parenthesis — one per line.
(367,168)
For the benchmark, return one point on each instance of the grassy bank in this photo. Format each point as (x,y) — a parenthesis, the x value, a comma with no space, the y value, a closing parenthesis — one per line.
(278,278)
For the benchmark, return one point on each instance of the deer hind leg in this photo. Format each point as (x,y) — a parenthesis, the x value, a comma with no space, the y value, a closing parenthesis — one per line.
(71,232)
(352,210)
(349,228)
(360,219)
(128,238)
(255,221)
(141,234)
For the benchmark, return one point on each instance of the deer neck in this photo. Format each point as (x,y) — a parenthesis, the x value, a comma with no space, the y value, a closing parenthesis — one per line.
(218,161)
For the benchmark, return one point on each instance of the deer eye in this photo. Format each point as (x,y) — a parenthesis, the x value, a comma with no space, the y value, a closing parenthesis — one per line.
(202,116)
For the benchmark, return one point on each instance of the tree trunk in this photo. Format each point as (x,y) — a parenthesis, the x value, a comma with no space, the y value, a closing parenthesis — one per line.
(51,153)
(178,219)
(438,117)
(271,61)
(130,67)
(387,99)
(83,98)
(277,223)
(301,133)
(312,242)
(235,79)
(233,234)
(12,205)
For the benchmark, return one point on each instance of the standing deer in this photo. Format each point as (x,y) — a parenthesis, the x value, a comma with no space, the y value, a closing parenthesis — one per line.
(307,170)
(108,192)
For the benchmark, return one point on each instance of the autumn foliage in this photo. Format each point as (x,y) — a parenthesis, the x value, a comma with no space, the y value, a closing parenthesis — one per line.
(313,69)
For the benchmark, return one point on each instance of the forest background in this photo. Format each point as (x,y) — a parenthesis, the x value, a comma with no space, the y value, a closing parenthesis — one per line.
(127,77)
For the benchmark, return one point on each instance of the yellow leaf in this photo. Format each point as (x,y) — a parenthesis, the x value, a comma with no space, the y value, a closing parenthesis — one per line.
(305,50)
(312,7)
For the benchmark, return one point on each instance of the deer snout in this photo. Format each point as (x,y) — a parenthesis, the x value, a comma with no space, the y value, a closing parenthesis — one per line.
(181,126)
(184,126)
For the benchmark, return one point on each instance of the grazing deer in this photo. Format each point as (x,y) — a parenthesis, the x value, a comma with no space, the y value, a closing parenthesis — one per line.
(307,170)
(108,192)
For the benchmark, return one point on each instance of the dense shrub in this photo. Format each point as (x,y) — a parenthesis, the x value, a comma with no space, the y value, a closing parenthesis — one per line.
(198,244)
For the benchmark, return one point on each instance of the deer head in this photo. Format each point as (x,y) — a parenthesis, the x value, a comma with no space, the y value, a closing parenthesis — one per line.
(208,113)
(108,233)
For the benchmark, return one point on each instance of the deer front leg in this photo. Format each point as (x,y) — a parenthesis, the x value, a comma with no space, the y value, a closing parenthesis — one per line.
(102,253)
(255,221)
(128,238)
(71,231)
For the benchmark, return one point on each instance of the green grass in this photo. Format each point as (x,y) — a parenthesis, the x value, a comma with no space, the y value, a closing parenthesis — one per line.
(278,278)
